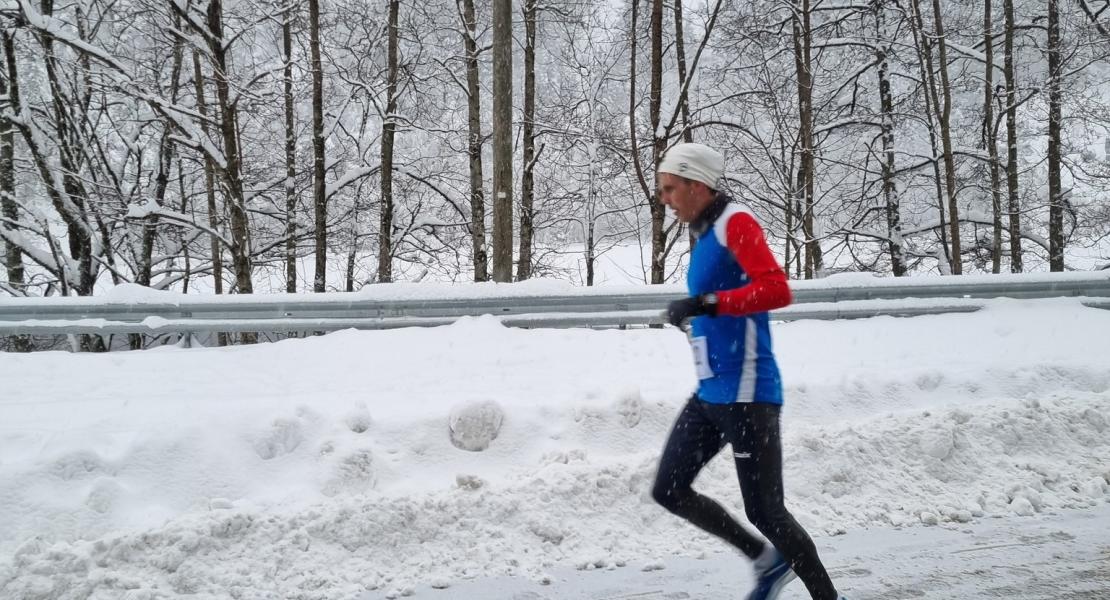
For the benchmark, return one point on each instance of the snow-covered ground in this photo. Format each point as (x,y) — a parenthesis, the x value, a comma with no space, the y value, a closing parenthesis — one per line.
(363,464)
(1056,555)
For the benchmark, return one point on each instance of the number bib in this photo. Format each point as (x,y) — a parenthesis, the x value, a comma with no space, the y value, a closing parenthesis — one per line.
(701,357)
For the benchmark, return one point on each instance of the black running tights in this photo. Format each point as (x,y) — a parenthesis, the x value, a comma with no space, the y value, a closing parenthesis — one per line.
(701,431)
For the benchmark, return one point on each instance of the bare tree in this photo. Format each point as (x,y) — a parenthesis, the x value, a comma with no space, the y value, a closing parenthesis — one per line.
(1093,16)
(924,44)
(648,191)
(527,179)
(886,102)
(803,41)
(107,159)
(71,197)
(166,155)
(680,57)
(1055,118)
(209,185)
(290,155)
(990,137)
(474,147)
(946,141)
(658,146)
(319,199)
(13,255)
(663,236)
(502,140)
(389,127)
(1013,204)
(231,173)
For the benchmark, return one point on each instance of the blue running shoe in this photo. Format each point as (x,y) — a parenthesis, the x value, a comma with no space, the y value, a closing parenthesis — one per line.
(772,573)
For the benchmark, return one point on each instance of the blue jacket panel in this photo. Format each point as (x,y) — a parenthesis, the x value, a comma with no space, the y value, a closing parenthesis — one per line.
(739,349)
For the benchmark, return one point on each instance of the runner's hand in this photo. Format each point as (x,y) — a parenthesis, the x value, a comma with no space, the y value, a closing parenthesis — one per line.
(680,311)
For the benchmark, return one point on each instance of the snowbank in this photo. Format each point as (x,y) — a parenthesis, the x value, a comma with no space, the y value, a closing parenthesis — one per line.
(323,467)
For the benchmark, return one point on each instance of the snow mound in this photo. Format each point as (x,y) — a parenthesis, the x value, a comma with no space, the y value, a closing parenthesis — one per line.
(475,425)
(389,461)
(576,509)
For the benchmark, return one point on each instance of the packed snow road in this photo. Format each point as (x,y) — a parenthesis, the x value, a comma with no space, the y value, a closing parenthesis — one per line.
(1059,556)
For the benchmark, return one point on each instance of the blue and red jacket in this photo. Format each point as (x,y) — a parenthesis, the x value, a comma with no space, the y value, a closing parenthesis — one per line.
(732,259)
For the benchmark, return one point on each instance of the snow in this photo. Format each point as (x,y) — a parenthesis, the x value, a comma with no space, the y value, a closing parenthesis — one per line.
(972,53)
(55,28)
(374,464)
(349,177)
(137,210)
(133,293)
(997,558)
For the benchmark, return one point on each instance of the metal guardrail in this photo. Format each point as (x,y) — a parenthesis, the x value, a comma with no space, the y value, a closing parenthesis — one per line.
(835,298)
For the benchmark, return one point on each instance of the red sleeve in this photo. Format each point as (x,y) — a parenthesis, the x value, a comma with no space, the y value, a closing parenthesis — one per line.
(767,288)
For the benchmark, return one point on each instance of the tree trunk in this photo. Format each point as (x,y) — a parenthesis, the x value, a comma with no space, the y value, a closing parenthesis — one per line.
(210,192)
(209,184)
(803,257)
(233,183)
(352,258)
(74,209)
(890,193)
(658,210)
(990,138)
(71,200)
(788,217)
(680,56)
(803,39)
(946,141)
(928,80)
(527,182)
(590,221)
(590,252)
(474,148)
(13,255)
(161,185)
(318,200)
(1055,191)
(389,128)
(150,223)
(184,209)
(78,229)
(502,141)
(290,158)
(166,152)
(1011,142)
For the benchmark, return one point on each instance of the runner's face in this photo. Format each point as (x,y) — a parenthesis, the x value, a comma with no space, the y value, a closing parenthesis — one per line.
(685,197)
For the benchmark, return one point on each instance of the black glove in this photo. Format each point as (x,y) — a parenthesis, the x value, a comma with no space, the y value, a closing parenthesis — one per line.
(687,308)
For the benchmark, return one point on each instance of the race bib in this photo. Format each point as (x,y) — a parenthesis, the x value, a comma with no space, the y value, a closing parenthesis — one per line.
(701,357)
